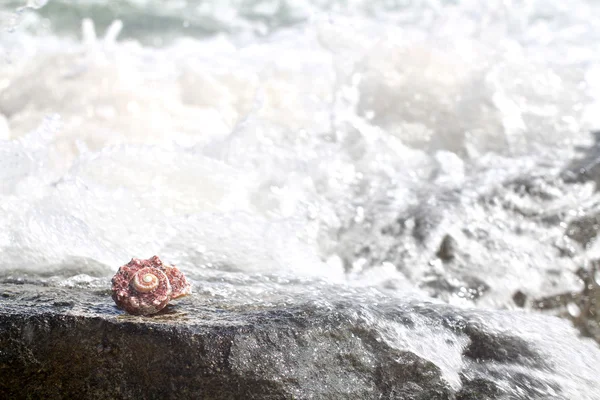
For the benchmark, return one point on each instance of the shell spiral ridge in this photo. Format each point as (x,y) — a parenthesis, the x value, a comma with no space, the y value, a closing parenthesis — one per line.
(144,287)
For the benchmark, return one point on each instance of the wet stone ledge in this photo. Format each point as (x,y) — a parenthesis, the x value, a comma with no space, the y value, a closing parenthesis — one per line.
(70,343)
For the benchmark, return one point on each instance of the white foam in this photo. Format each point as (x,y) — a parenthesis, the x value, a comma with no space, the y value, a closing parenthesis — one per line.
(324,133)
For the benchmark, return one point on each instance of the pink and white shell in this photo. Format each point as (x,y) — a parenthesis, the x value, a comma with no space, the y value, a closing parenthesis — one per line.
(144,287)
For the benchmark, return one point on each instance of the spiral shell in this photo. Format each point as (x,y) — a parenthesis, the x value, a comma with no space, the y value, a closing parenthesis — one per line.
(145,280)
(143,287)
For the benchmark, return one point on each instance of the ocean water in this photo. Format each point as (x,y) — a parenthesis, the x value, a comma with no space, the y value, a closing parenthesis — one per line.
(404,147)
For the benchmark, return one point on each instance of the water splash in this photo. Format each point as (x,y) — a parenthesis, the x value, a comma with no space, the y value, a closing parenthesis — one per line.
(416,150)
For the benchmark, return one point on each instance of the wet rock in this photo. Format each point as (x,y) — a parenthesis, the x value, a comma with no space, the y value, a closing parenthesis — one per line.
(478,389)
(584,229)
(443,286)
(582,308)
(587,167)
(486,346)
(447,250)
(335,350)
(519,298)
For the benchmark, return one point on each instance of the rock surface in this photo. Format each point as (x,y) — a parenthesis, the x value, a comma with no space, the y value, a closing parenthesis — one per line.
(73,343)
(583,307)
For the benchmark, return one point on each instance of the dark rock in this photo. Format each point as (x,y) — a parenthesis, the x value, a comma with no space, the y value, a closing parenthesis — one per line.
(584,229)
(443,286)
(447,250)
(587,167)
(478,389)
(246,355)
(86,348)
(488,346)
(582,308)
(519,298)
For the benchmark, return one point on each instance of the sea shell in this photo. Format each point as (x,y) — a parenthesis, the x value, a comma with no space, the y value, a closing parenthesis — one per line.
(143,287)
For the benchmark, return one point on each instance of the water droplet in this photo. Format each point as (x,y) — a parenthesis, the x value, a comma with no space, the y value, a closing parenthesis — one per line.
(573,310)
